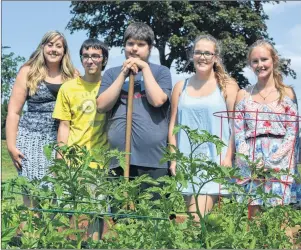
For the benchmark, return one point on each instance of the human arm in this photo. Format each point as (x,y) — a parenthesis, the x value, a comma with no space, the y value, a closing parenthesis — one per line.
(62,112)
(63,135)
(15,106)
(157,90)
(240,125)
(291,125)
(157,87)
(109,90)
(231,93)
(173,120)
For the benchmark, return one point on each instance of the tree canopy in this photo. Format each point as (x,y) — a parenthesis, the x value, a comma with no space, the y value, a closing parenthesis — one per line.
(9,69)
(237,24)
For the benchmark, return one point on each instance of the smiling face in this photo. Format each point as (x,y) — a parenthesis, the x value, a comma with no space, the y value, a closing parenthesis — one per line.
(137,49)
(261,62)
(204,56)
(54,50)
(92,60)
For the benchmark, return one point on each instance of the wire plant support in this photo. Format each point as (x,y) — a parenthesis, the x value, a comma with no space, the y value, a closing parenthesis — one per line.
(285,118)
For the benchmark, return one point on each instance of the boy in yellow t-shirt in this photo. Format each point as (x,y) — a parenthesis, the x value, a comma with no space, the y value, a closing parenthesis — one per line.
(75,107)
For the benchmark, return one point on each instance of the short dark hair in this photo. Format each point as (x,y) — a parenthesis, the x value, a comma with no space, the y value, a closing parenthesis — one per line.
(96,44)
(139,31)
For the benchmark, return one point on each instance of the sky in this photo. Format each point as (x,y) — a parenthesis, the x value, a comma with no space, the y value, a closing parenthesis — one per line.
(25,22)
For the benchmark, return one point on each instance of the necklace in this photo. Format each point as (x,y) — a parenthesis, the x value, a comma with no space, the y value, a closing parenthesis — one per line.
(264,97)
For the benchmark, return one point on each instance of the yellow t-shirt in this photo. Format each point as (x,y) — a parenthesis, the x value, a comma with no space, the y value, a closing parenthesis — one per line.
(76,102)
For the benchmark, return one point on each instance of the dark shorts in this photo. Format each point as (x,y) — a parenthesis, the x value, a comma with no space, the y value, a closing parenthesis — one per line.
(136,171)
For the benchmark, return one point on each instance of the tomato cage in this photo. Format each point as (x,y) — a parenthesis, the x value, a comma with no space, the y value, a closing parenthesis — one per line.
(252,126)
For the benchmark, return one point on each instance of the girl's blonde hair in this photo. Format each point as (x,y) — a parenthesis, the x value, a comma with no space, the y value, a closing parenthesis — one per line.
(278,79)
(223,78)
(37,64)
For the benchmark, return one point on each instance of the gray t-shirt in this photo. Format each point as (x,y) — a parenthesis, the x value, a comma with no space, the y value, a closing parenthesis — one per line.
(150,124)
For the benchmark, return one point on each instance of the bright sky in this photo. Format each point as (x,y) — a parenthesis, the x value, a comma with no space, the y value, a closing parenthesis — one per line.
(25,22)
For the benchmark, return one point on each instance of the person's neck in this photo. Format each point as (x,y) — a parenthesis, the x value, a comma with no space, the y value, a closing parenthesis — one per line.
(53,70)
(268,83)
(204,77)
(92,78)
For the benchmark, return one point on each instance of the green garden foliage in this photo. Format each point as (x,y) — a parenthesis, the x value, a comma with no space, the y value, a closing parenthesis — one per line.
(72,190)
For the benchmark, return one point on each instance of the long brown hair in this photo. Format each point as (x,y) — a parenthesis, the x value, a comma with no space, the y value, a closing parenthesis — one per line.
(38,69)
(278,79)
(222,77)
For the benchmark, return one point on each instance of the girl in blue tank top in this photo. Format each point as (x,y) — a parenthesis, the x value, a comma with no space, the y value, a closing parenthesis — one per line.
(194,101)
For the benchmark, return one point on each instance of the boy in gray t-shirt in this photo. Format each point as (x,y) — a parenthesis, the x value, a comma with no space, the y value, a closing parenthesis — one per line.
(150,104)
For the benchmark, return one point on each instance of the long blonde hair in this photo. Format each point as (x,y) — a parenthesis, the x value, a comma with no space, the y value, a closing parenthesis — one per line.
(222,77)
(37,65)
(278,79)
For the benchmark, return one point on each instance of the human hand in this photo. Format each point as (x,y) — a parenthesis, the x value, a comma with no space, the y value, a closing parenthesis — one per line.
(227,162)
(17,157)
(260,164)
(172,168)
(133,64)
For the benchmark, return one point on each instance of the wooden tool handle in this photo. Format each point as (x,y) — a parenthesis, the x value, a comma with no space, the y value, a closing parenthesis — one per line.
(128,132)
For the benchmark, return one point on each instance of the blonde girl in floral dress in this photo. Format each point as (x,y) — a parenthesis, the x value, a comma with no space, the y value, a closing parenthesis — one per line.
(273,138)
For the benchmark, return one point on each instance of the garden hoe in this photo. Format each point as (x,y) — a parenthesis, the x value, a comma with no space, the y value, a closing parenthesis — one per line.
(128,132)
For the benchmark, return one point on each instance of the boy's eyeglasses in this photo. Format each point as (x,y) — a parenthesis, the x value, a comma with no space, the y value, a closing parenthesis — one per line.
(94,57)
(207,55)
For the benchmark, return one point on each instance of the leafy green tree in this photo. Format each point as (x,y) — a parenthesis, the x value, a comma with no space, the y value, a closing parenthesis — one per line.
(237,24)
(9,69)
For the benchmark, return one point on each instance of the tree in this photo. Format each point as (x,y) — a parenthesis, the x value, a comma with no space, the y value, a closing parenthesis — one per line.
(9,69)
(237,24)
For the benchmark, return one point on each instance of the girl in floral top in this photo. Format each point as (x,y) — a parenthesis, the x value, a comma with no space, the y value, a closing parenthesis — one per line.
(266,129)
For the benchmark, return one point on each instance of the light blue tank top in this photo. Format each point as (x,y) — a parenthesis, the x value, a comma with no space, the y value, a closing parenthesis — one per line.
(197,113)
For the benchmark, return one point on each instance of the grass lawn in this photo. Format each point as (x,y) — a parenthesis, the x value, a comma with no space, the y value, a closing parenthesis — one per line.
(8,169)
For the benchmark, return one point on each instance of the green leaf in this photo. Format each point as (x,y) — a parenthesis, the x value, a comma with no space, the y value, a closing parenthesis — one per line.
(47,151)
(8,233)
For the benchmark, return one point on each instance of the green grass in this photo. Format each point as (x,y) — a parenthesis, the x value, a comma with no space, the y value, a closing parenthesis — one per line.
(8,169)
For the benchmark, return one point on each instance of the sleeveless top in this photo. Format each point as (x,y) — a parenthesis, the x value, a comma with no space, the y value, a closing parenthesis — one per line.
(277,122)
(270,116)
(197,113)
(38,117)
(36,130)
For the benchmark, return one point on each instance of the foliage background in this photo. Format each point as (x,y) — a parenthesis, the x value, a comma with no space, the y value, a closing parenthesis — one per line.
(9,68)
(237,24)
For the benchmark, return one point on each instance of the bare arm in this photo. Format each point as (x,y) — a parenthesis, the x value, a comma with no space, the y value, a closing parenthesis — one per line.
(288,143)
(62,135)
(231,91)
(154,94)
(15,106)
(106,100)
(173,119)
(239,124)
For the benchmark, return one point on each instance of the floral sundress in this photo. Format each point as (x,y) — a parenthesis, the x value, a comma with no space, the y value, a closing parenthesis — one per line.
(269,132)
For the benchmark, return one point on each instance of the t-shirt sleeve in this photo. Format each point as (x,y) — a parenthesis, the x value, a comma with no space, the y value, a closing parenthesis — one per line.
(62,109)
(106,81)
(164,80)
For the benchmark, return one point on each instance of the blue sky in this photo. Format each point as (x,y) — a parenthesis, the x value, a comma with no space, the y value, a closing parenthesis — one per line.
(25,22)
